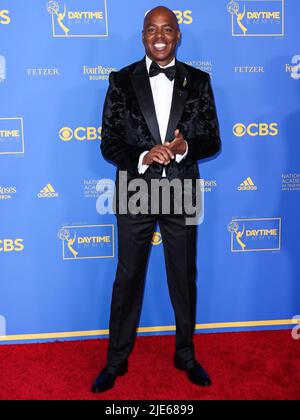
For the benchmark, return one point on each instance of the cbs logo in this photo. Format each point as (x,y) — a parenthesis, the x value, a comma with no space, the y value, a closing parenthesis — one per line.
(4,18)
(156,239)
(10,245)
(184,16)
(254,129)
(80,133)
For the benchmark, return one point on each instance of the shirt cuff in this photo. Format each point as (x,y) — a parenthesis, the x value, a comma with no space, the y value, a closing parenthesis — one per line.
(179,158)
(142,168)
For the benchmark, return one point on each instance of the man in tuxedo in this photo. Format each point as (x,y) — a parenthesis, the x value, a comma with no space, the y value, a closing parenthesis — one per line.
(159,119)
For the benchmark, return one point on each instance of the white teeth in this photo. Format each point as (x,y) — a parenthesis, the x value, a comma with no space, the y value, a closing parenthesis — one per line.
(160,46)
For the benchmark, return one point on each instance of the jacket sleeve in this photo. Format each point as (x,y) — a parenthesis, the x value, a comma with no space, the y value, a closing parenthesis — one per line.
(207,140)
(113,145)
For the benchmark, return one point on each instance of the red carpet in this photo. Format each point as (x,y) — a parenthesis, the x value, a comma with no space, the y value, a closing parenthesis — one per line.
(252,365)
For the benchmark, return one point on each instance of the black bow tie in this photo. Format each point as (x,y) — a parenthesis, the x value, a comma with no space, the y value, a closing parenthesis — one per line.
(170,72)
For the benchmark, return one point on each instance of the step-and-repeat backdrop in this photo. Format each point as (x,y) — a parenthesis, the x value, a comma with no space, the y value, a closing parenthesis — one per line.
(57,253)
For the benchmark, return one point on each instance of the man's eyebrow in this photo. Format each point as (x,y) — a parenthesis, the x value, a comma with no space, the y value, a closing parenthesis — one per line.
(166,24)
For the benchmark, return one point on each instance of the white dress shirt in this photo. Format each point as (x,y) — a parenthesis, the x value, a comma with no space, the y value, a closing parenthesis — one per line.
(162,91)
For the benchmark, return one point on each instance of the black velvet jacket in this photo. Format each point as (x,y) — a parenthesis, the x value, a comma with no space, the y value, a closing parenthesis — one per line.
(130,125)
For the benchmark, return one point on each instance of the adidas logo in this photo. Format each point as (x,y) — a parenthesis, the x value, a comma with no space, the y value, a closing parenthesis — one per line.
(48,192)
(247,185)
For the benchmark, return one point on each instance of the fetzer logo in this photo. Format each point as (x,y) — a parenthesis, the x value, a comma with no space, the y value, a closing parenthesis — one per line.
(48,192)
(256,17)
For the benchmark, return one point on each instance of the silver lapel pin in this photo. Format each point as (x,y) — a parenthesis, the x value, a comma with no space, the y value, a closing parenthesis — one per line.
(184,82)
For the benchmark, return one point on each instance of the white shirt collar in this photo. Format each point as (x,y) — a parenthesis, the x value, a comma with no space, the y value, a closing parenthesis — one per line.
(149,62)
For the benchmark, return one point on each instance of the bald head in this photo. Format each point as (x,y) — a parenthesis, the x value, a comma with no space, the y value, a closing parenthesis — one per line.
(161,10)
(161,35)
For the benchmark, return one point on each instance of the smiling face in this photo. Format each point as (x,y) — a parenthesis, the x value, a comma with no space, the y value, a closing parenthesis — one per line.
(161,35)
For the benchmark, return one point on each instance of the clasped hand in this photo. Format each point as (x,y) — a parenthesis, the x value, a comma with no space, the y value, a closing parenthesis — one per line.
(164,153)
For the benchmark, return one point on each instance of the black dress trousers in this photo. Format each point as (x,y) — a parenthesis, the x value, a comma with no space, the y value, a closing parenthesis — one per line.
(134,242)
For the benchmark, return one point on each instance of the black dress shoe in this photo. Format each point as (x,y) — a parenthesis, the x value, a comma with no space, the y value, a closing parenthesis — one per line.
(194,371)
(106,380)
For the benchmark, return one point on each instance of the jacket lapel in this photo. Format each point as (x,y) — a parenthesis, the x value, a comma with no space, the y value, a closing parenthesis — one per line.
(180,94)
(142,89)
